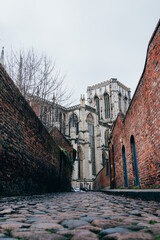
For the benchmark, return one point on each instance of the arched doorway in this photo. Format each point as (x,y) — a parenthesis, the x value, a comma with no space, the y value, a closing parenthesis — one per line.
(125,166)
(134,161)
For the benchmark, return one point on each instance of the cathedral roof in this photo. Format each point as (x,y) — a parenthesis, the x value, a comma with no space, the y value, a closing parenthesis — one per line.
(105,83)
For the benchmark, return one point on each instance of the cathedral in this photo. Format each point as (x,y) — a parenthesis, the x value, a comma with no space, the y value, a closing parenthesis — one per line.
(87,126)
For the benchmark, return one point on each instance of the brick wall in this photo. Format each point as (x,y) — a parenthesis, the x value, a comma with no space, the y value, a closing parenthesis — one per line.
(61,140)
(141,123)
(30,160)
(102,180)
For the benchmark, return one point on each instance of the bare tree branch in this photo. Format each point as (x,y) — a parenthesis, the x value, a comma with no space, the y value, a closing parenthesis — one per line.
(36,76)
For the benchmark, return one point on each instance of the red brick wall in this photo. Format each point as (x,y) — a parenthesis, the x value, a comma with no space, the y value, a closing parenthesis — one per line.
(102,180)
(143,122)
(30,161)
(61,140)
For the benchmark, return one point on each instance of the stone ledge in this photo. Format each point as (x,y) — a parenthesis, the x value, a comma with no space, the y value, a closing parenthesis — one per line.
(145,194)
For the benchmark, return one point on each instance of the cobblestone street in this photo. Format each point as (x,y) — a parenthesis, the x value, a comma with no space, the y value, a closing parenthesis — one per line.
(78,216)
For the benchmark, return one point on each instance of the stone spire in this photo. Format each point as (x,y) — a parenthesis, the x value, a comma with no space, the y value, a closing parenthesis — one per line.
(82,100)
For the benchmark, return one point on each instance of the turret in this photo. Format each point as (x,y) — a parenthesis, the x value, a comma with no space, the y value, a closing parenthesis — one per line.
(82,100)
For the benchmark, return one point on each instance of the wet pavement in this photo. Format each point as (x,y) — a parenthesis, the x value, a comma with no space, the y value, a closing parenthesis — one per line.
(78,216)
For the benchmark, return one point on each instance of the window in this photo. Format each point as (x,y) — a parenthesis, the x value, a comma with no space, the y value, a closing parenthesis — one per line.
(106,105)
(96,99)
(120,102)
(106,136)
(90,121)
(45,115)
(73,122)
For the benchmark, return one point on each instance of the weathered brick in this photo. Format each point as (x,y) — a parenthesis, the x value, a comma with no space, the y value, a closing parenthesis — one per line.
(30,160)
(143,122)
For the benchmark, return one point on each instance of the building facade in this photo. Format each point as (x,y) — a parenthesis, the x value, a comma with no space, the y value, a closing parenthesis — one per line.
(87,126)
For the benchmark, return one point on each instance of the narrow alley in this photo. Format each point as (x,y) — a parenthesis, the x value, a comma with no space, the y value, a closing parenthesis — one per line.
(78,216)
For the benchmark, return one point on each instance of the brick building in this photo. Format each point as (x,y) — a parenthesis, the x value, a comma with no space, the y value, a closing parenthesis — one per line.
(135,143)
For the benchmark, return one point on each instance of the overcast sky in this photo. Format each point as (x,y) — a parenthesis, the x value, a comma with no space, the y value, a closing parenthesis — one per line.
(91,40)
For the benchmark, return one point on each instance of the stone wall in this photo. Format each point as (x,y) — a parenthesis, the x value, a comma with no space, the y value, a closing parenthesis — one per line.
(136,136)
(30,160)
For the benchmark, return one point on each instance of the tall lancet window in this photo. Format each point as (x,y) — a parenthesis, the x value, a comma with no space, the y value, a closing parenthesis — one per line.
(120,102)
(96,99)
(107,105)
(73,122)
(90,121)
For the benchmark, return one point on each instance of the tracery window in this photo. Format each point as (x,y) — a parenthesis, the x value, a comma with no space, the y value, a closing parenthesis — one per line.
(107,105)
(96,99)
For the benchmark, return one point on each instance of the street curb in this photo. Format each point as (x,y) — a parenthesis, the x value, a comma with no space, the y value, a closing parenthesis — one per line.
(138,194)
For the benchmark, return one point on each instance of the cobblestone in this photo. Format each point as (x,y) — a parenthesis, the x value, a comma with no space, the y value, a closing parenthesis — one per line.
(78,216)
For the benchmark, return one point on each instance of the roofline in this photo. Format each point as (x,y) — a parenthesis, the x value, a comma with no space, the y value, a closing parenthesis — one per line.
(123,86)
(102,84)
(96,85)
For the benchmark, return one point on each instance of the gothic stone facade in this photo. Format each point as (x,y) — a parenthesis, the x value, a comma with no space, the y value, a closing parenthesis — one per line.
(87,126)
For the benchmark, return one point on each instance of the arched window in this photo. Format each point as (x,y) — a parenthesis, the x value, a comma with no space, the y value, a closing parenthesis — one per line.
(125,166)
(96,99)
(134,160)
(73,122)
(106,105)
(90,121)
